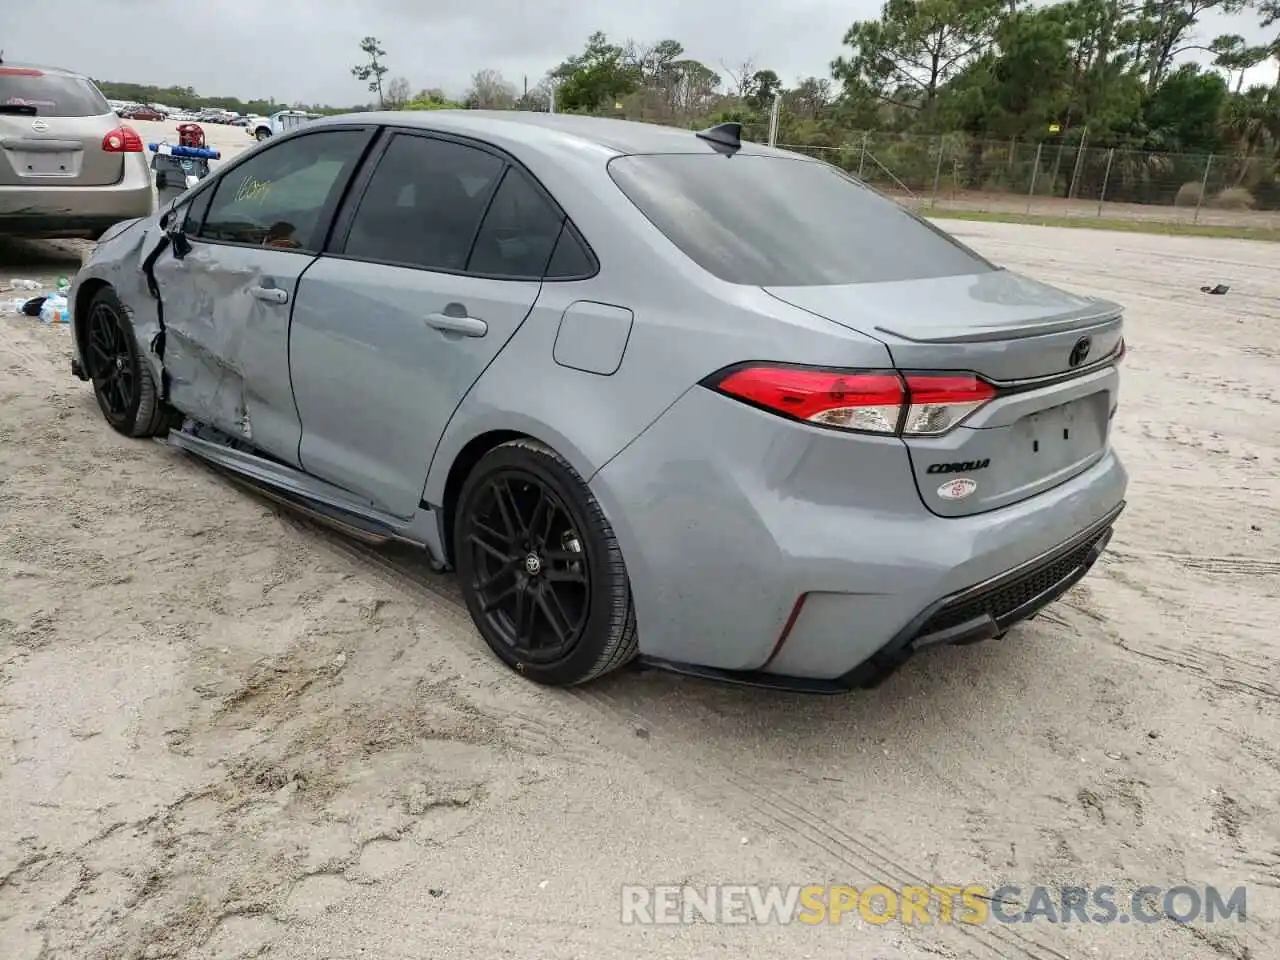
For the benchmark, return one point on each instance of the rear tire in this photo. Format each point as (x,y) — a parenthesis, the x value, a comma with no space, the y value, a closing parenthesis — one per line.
(540,568)
(121,376)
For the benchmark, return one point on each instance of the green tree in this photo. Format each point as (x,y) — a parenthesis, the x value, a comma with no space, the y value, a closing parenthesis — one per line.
(1183,112)
(760,89)
(1165,30)
(915,48)
(373,69)
(1233,55)
(597,77)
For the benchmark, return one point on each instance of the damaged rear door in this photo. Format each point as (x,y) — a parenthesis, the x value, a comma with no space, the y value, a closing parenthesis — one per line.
(227,292)
(433,266)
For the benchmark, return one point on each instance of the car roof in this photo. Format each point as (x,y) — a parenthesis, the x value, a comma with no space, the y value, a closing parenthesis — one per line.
(52,71)
(541,129)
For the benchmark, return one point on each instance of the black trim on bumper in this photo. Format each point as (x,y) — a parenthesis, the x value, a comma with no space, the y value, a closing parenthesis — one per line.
(980,612)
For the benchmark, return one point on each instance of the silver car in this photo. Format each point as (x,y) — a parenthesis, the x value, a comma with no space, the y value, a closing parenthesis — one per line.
(68,166)
(653,393)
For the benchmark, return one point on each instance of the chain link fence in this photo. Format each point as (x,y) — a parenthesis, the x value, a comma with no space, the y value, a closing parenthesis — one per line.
(1054,179)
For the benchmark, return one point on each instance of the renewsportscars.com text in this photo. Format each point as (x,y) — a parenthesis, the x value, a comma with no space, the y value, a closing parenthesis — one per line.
(973,904)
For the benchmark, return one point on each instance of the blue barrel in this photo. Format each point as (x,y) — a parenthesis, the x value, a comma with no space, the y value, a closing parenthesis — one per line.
(190,153)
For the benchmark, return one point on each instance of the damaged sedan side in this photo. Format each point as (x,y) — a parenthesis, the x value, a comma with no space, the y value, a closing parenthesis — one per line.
(211,319)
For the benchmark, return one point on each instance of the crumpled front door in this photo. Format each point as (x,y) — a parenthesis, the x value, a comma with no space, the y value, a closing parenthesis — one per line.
(226,352)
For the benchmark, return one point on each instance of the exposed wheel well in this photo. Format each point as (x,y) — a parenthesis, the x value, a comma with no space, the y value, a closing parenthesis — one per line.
(463,464)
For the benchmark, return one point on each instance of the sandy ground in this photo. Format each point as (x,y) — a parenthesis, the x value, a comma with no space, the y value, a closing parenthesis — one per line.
(225,733)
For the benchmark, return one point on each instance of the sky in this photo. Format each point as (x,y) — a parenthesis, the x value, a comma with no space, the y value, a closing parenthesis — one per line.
(289,50)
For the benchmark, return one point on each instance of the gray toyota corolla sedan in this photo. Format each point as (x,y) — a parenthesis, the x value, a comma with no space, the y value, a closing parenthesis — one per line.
(653,393)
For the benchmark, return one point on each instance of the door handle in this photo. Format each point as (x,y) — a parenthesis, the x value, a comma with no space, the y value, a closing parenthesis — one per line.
(270,294)
(467,326)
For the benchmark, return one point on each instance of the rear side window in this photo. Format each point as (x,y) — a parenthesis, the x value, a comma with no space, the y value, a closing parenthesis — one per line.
(519,232)
(52,95)
(773,221)
(571,260)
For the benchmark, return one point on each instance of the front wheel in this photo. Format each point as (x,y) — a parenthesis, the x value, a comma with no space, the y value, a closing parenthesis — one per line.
(121,376)
(262,134)
(540,568)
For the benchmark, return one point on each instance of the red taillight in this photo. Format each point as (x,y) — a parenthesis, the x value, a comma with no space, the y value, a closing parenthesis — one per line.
(873,401)
(939,402)
(869,401)
(20,72)
(123,139)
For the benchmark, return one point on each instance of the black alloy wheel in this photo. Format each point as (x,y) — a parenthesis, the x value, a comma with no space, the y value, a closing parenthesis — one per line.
(540,568)
(122,381)
(533,578)
(111,363)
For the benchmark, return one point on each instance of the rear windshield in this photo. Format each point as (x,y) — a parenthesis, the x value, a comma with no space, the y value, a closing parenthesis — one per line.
(773,221)
(52,95)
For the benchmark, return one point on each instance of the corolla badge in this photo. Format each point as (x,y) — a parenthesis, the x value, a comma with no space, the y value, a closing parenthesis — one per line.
(39,126)
(957,489)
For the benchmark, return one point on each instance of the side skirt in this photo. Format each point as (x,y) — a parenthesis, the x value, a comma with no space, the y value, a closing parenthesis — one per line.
(321,501)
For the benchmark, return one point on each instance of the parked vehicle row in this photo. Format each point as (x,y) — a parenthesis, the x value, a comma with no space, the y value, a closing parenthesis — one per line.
(147,111)
(649,391)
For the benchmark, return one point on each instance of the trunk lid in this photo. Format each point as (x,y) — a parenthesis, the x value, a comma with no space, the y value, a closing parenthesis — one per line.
(61,144)
(1052,417)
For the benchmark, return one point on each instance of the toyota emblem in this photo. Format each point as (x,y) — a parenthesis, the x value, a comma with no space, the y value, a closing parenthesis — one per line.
(1080,352)
(39,126)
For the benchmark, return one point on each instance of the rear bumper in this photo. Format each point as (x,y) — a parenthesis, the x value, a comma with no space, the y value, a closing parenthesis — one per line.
(793,556)
(980,612)
(78,211)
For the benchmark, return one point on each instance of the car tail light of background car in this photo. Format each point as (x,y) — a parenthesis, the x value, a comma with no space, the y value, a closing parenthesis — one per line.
(123,139)
(870,401)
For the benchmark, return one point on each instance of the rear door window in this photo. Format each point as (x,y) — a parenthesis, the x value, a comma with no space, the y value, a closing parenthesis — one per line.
(774,221)
(52,95)
(424,203)
(519,232)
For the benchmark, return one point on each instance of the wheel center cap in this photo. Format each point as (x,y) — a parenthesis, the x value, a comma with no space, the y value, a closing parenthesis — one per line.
(532,565)
(119,363)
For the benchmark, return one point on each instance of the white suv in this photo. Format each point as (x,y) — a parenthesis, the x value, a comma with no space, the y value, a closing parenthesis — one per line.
(262,128)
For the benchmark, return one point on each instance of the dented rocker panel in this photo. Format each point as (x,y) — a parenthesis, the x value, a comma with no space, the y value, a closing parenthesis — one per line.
(360,516)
